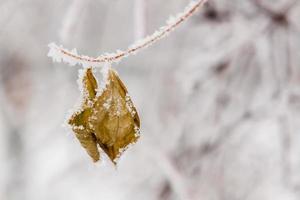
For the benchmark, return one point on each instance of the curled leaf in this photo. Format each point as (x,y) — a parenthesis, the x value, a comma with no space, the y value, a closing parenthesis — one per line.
(115,119)
(108,119)
(80,119)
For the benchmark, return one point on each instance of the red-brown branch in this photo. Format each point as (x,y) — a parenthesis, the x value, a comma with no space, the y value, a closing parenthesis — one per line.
(134,48)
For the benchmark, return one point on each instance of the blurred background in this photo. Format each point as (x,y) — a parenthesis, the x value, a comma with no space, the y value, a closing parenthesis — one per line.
(219,101)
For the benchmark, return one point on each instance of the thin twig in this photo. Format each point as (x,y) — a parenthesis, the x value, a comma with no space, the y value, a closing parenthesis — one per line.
(58,53)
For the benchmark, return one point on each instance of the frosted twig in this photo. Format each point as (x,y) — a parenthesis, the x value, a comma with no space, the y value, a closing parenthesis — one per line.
(58,53)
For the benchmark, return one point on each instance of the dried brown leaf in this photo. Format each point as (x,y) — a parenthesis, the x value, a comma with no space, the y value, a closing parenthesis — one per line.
(109,118)
(115,120)
(80,120)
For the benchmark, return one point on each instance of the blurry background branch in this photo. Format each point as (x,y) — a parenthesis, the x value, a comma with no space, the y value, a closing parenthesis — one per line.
(139,19)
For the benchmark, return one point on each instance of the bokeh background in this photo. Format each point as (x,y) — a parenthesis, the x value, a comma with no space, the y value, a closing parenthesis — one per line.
(219,101)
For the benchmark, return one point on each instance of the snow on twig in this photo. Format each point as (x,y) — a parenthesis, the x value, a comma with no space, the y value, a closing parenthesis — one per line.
(58,53)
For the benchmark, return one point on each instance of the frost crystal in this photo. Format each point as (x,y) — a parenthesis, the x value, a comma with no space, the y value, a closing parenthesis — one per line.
(102,85)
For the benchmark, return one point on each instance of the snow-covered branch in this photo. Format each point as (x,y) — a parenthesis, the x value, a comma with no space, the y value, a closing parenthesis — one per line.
(58,53)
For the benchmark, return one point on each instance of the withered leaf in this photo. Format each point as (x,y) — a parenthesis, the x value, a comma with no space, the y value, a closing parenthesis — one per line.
(108,119)
(115,120)
(80,119)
